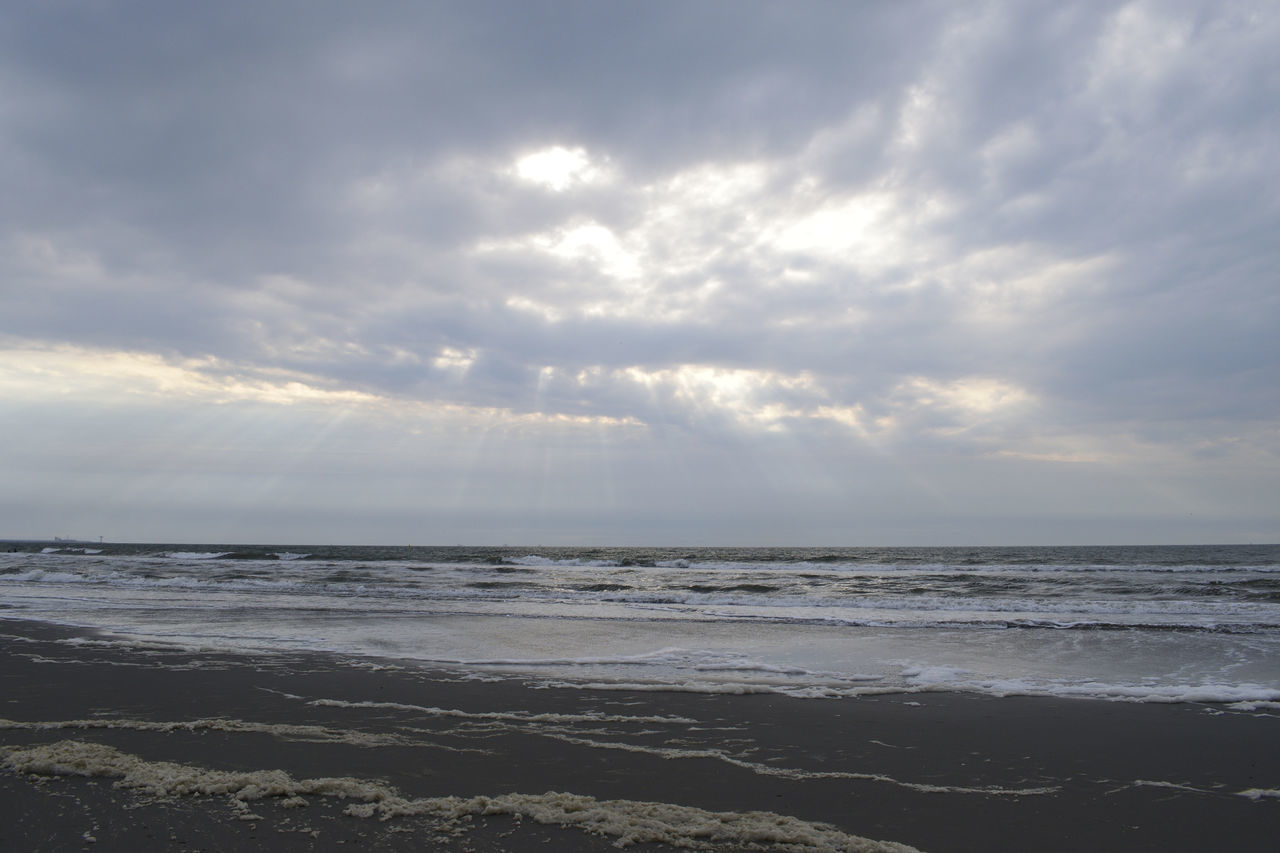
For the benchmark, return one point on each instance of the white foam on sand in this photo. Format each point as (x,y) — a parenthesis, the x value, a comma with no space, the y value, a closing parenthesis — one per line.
(718,688)
(799,774)
(285,731)
(1254,706)
(627,821)
(1256,794)
(502,716)
(550,725)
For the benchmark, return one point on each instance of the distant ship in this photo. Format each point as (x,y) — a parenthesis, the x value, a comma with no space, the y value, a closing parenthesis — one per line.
(62,541)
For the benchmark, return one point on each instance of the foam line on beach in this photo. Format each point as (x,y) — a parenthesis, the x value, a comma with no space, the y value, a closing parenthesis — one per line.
(1247,696)
(284,731)
(720,688)
(534,724)
(1256,794)
(1255,706)
(628,821)
(530,723)
(500,716)
(1217,791)
(1173,786)
(320,734)
(123,664)
(138,645)
(1251,793)
(798,774)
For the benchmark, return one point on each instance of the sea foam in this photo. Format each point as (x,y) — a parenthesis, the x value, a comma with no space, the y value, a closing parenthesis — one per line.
(627,821)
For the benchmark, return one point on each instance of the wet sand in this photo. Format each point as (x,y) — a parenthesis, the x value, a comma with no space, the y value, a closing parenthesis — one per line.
(937,771)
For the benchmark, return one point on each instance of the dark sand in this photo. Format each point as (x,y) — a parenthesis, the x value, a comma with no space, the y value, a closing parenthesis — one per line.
(869,766)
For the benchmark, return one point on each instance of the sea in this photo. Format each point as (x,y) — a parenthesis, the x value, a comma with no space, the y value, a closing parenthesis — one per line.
(1132,624)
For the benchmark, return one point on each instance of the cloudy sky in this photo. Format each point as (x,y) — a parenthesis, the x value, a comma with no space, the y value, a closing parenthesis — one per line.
(640,273)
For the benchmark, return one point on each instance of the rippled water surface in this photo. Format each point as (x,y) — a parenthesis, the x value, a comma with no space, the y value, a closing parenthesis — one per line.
(1150,624)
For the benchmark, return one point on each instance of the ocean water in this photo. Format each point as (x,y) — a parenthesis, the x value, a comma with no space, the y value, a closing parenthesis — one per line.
(1146,624)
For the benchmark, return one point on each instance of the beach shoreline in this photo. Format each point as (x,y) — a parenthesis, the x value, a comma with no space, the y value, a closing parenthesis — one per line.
(937,771)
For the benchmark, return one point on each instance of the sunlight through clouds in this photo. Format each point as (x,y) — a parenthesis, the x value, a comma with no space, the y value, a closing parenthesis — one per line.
(558,168)
(983,397)
(920,240)
(454,360)
(715,216)
(865,233)
(595,244)
(743,395)
(78,374)
(89,377)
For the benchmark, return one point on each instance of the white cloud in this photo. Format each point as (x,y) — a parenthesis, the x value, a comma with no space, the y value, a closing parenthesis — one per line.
(454,360)
(558,168)
(68,372)
(981,397)
(1019,235)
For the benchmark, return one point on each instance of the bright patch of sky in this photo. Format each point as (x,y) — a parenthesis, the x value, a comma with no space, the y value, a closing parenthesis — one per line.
(558,168)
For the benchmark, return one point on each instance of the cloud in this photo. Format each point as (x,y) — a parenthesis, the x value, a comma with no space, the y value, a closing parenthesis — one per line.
(815,238)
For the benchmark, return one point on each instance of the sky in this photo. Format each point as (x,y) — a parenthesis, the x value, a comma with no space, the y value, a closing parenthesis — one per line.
(733,273)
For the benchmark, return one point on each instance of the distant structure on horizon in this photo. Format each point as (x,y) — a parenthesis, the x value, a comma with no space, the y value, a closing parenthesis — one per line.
(76,541)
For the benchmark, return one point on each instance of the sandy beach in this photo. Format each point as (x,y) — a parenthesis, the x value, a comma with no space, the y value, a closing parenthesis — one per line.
(107,747)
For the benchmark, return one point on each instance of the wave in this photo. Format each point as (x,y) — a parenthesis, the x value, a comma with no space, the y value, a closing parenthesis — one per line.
(537,560)
(740,587)
(1112,560)
(804,632)
(694,596)
(194,555)
(233,555)
(941,680)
